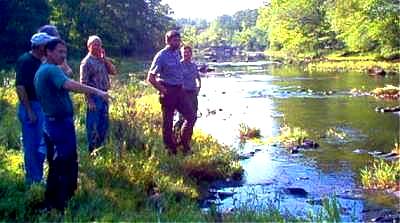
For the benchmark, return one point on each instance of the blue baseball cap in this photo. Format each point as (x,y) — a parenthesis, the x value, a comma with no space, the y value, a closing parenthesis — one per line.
(49,29)
(41,39)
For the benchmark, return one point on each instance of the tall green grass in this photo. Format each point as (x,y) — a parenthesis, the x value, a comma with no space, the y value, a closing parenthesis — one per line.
(127,176)
(289,136)
(131,178)
(381,175)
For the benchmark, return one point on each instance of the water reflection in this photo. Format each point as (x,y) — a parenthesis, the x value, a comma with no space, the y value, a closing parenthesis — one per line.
(321,104)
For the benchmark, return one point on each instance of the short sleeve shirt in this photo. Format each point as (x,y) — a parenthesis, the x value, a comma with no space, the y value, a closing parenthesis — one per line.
(93,72)
(166,64)
(190,73)
(55,100)
(26,67)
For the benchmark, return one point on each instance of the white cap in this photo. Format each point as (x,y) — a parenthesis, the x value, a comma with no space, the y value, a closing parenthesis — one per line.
(92,38)
(41,39)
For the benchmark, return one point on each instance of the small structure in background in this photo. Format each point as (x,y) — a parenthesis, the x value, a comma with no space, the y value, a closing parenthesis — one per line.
(220,53)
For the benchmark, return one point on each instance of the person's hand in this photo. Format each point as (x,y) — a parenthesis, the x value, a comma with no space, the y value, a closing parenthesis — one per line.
(102,53)
(91,106)
(66,68)
(105,96)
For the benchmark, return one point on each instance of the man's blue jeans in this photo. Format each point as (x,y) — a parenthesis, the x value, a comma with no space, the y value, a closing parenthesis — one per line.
(97,123)
(62,155)
(32,140)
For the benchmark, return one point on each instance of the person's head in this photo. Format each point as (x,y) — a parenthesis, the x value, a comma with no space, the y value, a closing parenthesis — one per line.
(173,39)
(49,29)
(94,45)
(38,42)
(56,51)
(186,52)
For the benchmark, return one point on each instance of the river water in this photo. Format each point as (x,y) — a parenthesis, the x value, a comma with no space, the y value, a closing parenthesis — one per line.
(347,127)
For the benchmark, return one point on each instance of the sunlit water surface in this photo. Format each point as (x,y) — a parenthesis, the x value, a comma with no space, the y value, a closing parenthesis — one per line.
(267,97)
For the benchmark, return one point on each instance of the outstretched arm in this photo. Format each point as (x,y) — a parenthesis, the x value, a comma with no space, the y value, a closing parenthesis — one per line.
(81,88)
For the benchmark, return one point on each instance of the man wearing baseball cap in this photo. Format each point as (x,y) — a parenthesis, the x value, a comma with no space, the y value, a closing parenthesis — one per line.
(53,31)
(29,110)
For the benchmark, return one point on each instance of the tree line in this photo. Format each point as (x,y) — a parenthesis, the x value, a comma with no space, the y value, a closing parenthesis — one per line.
(312,27)
(239,29)
(127,27)
(136,27)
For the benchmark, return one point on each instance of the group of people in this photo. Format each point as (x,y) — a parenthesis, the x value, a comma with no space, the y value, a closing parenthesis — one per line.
(43,83)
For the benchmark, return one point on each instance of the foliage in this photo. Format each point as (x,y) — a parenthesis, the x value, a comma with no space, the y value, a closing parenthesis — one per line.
(246,132)
(351,65)
(366,25)
(19,20)
(329,213)
(290,137)
(320,26)
(189,36)
(389,91)
(237,30)
(335,133)
(126,27)
(396,148)
(251,214)
(9,131)
(252,39)
(381,175)
(209,161)
(133,27)
(295,26)
(131,177)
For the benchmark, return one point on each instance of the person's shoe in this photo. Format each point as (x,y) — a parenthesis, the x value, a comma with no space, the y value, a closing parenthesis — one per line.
(172,152)
(187,151)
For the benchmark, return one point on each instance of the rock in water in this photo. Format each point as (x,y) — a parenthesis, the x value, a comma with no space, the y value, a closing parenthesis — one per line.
(296,191)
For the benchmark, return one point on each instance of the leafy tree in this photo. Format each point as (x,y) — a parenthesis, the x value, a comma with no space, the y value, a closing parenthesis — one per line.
(19,21)
(252,39)
(294,26)
(199,24)
(191,29)
(245,19)
(247,34)
(366,25)
(189,35)
(127,27)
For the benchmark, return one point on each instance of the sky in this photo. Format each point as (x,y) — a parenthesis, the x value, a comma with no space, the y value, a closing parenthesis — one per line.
(209,9)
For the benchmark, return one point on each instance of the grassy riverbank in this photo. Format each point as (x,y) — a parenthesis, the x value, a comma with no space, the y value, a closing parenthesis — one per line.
(337,61)
(131,178)
(382,174)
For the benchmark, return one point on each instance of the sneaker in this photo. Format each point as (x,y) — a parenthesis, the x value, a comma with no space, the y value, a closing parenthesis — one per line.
(172,152)
(187,151)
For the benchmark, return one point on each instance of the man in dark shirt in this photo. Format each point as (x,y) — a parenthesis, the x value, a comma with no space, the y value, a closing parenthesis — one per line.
(29,110)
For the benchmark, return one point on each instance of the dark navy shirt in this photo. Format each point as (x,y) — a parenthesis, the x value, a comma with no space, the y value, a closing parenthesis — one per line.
(26,68)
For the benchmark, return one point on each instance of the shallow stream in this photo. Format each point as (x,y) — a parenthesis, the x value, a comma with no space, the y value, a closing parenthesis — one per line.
(346,126)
